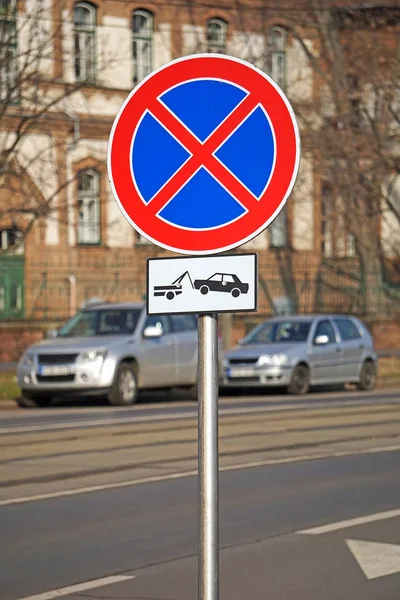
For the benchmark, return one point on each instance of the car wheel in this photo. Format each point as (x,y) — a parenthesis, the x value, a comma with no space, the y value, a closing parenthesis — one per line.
(367,379)
(29,400)
(235,293)
(204,290)
(125,389)
(300,383)
(170,295)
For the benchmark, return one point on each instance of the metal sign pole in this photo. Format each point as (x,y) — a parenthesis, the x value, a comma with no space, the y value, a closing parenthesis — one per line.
(208,558)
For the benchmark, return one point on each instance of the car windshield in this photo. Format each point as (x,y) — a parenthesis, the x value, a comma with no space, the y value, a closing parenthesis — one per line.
(109,321)
(279,331)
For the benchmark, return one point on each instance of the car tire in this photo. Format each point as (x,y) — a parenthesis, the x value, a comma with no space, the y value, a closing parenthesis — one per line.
(125,388)
(170,295)
(367,380)
(191,392)
(29,400)
(235,292)
(300,383)
(204,290)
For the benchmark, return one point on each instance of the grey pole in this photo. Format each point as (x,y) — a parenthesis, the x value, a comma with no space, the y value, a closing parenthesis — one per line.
(208,559)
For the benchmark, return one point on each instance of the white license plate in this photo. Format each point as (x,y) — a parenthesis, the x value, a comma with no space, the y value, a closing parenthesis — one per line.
(241,372)
(54,370)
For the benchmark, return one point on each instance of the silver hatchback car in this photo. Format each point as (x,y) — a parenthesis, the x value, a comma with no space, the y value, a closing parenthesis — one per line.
(111,350)
(297,352)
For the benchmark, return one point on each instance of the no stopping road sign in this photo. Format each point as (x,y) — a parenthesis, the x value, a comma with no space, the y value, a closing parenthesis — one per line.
(203,154)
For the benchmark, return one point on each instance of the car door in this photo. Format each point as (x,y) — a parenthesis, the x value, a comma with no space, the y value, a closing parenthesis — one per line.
(157,356)
(325,357)
(184,328)
(228,283)
(352,348)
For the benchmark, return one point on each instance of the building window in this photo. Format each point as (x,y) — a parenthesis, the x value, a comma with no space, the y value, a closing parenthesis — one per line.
(85,41)
(11,240)
(326,221)
(216,36)
(141,240)
(336,241)
(8,50)
(88,207)
(276,66)
(142,44)
(278,236)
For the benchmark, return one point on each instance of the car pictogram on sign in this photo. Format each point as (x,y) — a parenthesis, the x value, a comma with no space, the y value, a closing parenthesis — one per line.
(222,282)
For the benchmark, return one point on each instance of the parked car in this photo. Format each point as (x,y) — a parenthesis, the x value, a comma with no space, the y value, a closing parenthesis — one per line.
(111,350)
(297,352)
(222,282)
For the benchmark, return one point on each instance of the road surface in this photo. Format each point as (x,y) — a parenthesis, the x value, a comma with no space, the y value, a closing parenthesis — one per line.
(310,500)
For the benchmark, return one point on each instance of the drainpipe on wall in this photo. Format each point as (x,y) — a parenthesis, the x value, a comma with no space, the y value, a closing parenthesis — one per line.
(72,294)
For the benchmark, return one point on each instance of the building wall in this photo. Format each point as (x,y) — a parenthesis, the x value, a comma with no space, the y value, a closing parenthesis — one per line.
(61,153)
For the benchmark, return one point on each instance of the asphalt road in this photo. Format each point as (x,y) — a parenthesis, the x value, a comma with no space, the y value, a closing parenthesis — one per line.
(55,543)
(284,470)
(155,408)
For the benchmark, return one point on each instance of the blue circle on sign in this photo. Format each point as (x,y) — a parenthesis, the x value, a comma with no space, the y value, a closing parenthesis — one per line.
(248,153)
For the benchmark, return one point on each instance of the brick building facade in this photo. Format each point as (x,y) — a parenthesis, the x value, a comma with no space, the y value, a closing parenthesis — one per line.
(81,246)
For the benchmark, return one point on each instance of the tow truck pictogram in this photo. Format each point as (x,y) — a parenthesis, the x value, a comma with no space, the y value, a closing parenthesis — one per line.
(174,289)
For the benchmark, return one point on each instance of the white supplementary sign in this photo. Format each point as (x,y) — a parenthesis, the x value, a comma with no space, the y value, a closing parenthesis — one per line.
(202,284)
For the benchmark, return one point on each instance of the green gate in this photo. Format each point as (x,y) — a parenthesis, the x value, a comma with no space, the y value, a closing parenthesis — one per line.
(11,287)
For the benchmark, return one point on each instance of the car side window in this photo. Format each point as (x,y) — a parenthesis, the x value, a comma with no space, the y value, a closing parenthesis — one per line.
(159,322)
(216,277)
(182,323)
(325,328)
(228,279)
(347,329)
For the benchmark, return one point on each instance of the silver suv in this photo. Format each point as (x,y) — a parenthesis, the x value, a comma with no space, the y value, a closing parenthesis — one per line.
(111,350)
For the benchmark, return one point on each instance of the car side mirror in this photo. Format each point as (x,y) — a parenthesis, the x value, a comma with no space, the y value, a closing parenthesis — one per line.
(52,334)
(152,332)
(240,342)
(321,340)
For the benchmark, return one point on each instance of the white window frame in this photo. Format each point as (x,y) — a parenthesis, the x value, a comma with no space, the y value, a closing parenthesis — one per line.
(5,240)
(217,46)
(89,223)
(142,45)
(277,56)
(8,50)
(141,240)
(335,241)
(85,44)
(278,230)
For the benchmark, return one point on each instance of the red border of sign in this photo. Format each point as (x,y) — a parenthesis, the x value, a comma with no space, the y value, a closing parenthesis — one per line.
(273,199)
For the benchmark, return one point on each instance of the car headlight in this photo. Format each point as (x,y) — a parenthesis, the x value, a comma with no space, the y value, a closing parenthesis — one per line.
(225,362)
(92,355)
(275,359)
(28,360)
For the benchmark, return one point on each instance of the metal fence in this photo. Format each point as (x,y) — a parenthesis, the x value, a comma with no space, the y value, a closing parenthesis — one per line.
(55,291)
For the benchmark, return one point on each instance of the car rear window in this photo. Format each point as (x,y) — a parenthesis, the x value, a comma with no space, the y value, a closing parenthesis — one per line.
(347,329)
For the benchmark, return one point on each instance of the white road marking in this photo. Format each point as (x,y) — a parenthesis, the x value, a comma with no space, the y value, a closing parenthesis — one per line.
(192,473)
(188,415)
(374,558)
(79,587)
(389,514)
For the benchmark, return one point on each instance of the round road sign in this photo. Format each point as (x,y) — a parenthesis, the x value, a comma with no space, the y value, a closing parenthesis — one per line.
(203,154)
